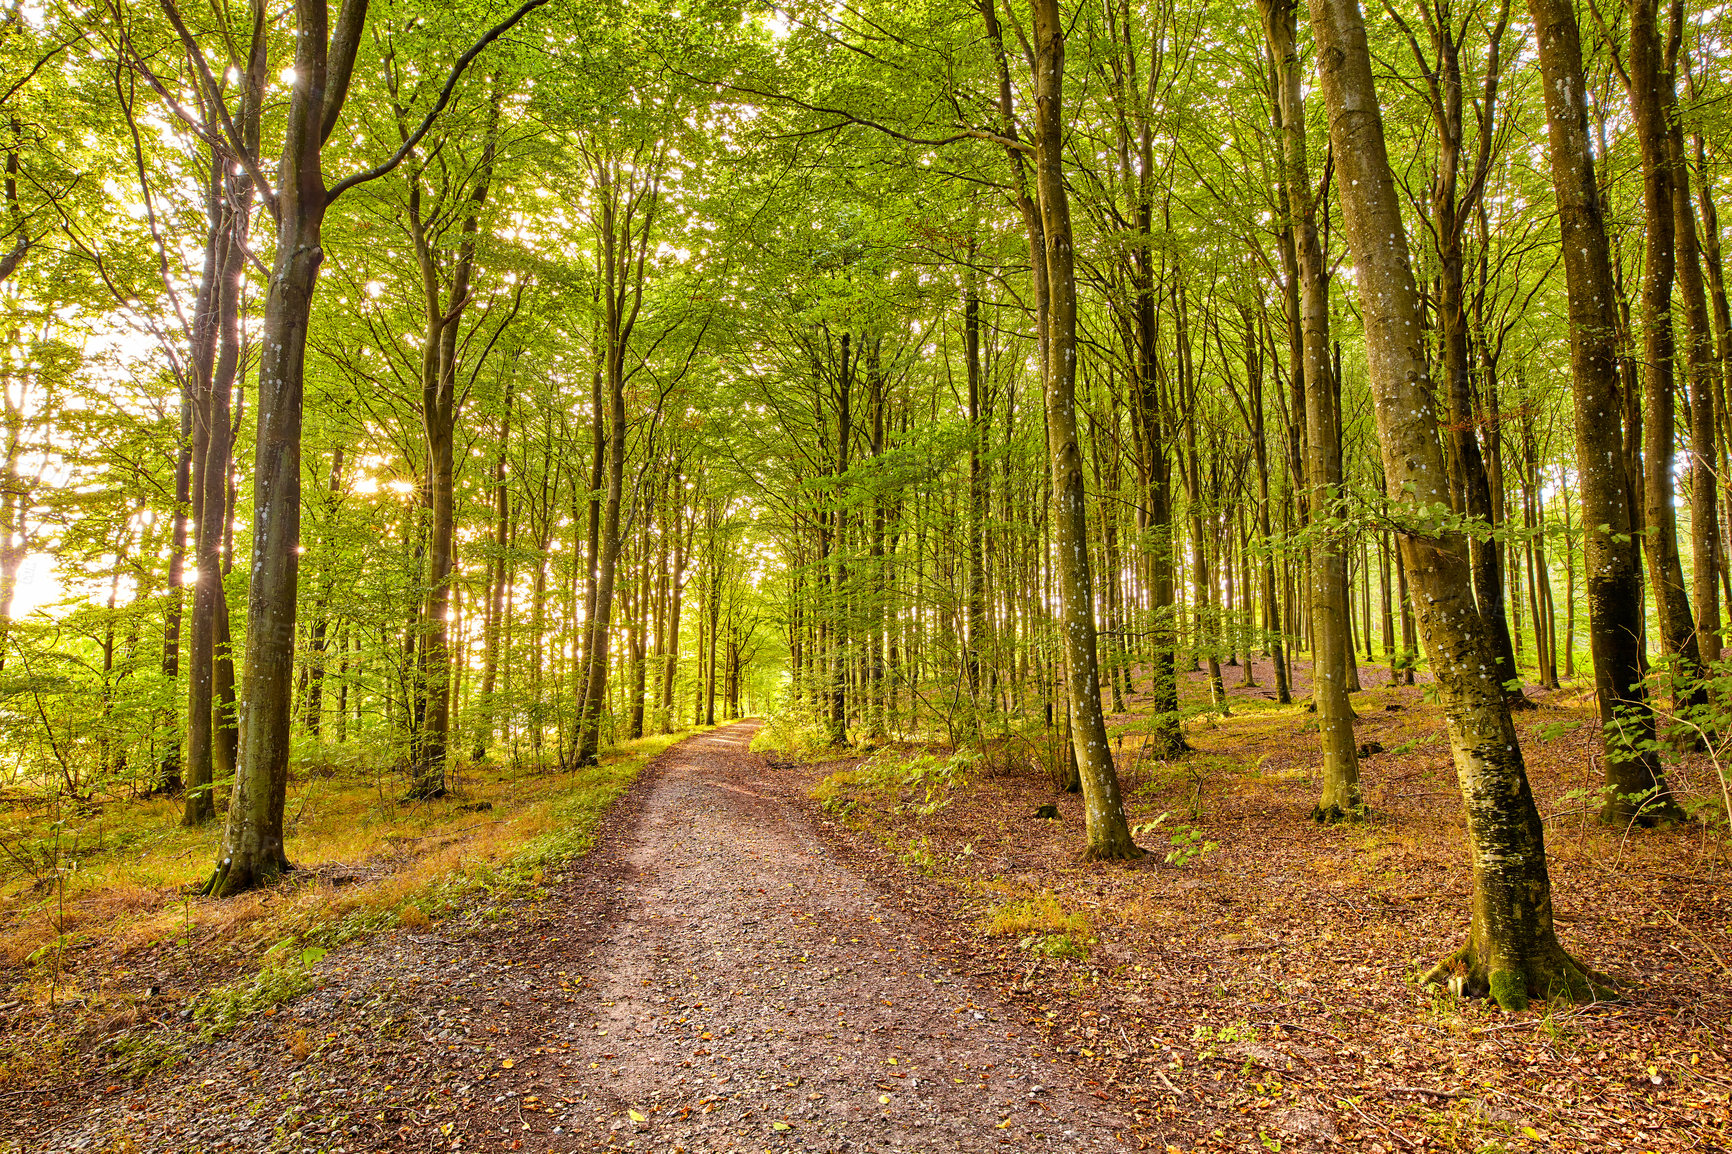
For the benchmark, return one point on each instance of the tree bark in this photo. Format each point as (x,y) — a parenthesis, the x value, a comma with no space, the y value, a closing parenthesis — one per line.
(1109,834)
(1611,565)
(1340,799)
(1651,105)
(253,852)
(1512,952)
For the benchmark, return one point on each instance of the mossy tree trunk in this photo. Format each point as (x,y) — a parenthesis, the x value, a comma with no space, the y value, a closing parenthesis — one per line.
(1109,834)
(1512,951)
(1611,563)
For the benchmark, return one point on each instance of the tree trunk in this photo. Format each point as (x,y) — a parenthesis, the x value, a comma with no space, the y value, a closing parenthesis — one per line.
(1651,105)
(1340,799)
(1512,952)
(1702,370)
(1614,580)
(496,592)
(253,851)
(1109,835)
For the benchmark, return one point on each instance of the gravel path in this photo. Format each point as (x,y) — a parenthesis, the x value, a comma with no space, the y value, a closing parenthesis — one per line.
(709,978)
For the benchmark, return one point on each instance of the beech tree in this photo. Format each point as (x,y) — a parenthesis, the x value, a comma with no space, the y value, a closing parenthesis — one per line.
(1512,951)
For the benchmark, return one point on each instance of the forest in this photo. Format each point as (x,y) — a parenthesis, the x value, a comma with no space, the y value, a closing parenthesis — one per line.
(1210,515)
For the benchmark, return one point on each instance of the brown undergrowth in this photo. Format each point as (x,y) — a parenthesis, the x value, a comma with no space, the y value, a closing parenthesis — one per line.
(1252,983)
(103,937)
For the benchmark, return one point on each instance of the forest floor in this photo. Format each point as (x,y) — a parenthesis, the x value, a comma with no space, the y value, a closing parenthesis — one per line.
(1251,984)
(891,951)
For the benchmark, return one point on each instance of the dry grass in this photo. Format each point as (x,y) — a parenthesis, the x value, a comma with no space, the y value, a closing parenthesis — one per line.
(1040,914)
(120,898)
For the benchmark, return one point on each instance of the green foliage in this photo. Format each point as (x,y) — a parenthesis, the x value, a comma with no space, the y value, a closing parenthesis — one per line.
(791,734)
(921,785)
(137,1054)
(285,974)
(1209,1039)
(1187,842)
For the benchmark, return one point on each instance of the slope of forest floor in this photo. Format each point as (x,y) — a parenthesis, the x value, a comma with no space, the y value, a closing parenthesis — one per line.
(1251,984)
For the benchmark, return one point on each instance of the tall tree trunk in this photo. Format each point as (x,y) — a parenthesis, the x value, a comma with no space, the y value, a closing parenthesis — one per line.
(253,852)
(1109,834)
(977,434)
(168,773)
(1340,799)
(496,587)
(1651,104)
(1614,580)
(211,725)
(624,295)
(1702,370)
(1512,952)
(319,632)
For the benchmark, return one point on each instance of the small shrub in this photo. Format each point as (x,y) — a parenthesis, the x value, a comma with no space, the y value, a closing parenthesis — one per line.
(1187,841)
(795,735)
(886,773)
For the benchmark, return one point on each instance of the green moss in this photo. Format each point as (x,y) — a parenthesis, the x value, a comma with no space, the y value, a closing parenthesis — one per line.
(1509,989)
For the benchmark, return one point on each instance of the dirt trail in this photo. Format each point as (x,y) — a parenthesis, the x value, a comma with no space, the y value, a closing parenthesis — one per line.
(709,978)
(752,973)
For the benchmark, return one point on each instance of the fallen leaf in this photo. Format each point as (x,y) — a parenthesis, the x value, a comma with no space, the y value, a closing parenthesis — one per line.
(635,1116)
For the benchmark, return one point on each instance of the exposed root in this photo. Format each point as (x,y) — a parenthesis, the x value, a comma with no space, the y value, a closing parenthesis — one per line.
(1128,851)
(1333,814)
(1558,978)
(228,881)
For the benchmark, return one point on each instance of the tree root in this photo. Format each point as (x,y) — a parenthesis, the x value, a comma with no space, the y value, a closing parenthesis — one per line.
(1333,814)
(1129,851)
(227,881)
(1557,978)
